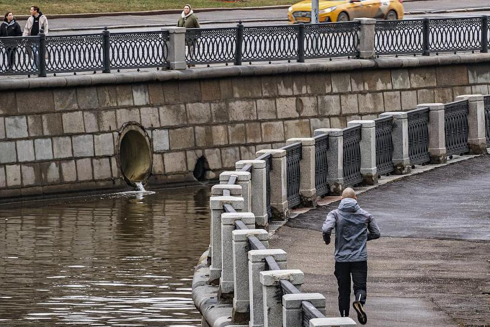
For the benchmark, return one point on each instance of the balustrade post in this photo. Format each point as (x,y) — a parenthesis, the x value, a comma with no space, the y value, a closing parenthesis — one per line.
(368,150)
(106,50)
(477,140)
(426,37)
(176,48)
(484,34)
(278,180)
(271,286)
(292,307)
(241,299)
(41,54)
(257,264)
(216,205)
(335,158)
(307,189)
(401,155)
(258,190)
(332,322)
(437,133)
(366,38)
(239,44)
(243,179)
(301,43)
(228,220)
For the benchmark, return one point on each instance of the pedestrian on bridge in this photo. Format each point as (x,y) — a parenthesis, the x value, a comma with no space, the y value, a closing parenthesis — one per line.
(188,19)
(35,24)
(10,27)
(353,228)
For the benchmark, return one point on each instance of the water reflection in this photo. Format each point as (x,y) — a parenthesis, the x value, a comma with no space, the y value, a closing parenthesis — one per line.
(103,262)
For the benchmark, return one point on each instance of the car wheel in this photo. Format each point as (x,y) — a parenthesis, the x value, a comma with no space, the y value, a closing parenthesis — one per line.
(343,17)
(391,15)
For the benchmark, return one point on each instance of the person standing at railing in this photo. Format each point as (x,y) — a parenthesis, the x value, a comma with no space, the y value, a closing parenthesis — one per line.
(353,228)
(36,23)
(10,27)
(189,20)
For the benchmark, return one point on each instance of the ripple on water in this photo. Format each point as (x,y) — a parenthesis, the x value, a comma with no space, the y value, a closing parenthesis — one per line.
(112,261)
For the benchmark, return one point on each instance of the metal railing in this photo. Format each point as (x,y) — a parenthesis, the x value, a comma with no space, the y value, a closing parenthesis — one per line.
(267,157)
(293,172)
(331,40)
(211,45)
(486,100)
(384,145)
(456,127)
(429,35)
(418,136)
(321,164)
(352,155)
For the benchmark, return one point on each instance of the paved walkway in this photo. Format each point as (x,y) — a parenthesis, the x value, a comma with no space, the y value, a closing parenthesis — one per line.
(432,265)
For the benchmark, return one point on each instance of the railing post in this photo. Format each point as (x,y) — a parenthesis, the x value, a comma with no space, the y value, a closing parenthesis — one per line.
(366,38)
(401,155)
(42,54)
(484,34)
(426,37)
(239,44)
(271,284)
(368,150)
(176,48)
(241,299)
(477,140)
(106,50)
(307,189)
(243,179)
(216,205)
(301,43)
(258,190)
(228,220)
(278,180)
(257,264)
(292,308)
(437,134)
(335,158)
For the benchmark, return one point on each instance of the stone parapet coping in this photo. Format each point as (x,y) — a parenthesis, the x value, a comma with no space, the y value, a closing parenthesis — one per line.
(235,71)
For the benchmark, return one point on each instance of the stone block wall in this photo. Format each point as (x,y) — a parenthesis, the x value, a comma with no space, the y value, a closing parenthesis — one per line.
(55,137)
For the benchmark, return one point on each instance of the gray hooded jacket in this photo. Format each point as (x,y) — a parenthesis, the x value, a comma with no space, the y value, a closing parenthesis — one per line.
(353,228)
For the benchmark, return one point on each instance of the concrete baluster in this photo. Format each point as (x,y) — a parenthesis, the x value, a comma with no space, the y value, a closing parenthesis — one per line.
(257,264)
(227,226)
(271,286)
(335,158)
(243,179)
(307,188)
(176,48)
(332,322)
(401,158)
(258,190)
(241,299)
(366,38)
(476,123)
(216,205)
(279,196)
(292,308)
(369,170)
(437,132)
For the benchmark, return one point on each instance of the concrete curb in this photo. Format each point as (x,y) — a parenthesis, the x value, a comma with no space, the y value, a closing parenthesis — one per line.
(234,71)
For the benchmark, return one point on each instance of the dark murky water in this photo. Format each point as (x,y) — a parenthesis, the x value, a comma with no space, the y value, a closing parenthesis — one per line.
(103,262)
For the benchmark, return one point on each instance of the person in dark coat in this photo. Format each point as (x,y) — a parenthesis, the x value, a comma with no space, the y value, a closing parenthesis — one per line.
(10,27)
(353,228)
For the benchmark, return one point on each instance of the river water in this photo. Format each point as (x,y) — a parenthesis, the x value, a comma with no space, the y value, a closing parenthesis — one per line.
(103,261)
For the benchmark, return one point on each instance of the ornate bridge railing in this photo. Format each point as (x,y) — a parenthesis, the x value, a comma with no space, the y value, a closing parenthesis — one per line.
(455,34)
(270,43)
(352,155)
(210,45)
(456,127)
(418,136)
(399,37)
(384,145)
(18,55)
(487,119)
(331,40)
(321,164)
(293,159)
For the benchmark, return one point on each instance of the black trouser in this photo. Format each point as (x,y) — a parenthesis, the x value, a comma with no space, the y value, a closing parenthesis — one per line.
(343,271)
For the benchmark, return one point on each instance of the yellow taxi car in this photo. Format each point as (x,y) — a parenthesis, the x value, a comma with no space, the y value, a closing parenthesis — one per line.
(345,10)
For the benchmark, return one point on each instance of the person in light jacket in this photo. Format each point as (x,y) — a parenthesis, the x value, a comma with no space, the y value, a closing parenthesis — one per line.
(353,228)
(36,22)
(10,27)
